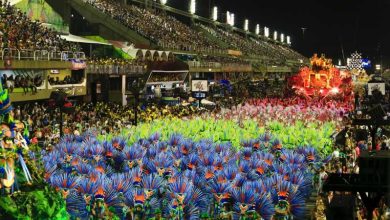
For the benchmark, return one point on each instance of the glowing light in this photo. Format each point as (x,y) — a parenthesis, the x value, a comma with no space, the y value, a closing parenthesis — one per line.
(378,67)
(163,2)
(335,90)
(227,17)
(321,91)
(257,29)
(215,13)
(288,40)
(193,6)
(266,32)
(282,38)
(275,35)
(232,19)
(246,25)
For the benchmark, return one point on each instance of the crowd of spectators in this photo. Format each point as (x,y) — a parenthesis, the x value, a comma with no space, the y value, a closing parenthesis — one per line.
(103,117)
(165,77)
(156,26)
(251,46)
(171,33)
(112,61)
(227,60)
(66,81)
(25,82)
(17,31)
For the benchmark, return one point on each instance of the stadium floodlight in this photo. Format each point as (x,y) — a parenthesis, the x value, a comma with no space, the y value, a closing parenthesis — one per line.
(288,40)
(282,38)
(246,25)
(215,13)
(257,29)
(193,6)
(232,19)
(163,2)
(275,35)
(266,32)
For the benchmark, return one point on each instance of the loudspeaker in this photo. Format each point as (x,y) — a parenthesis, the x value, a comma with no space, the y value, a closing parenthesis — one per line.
(361,135)
(340,137)
(377,112)
(374,167)
(59,97)
(341,207)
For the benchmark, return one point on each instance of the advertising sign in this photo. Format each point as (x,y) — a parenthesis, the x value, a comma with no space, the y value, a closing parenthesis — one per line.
(379,86)
(199,86)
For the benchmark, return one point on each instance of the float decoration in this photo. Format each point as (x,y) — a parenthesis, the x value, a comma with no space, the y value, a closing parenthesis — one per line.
(321,79)
(356,67)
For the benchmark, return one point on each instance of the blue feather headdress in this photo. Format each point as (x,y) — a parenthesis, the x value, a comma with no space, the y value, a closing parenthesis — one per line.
(244,200)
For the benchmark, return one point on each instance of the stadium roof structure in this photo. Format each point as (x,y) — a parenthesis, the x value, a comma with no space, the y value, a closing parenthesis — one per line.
(78,39)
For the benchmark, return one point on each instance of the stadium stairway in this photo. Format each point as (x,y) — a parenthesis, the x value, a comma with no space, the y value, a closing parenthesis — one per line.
(212,38)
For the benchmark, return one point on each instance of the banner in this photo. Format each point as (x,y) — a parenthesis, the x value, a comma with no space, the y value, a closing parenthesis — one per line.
(78,64)
(235,53)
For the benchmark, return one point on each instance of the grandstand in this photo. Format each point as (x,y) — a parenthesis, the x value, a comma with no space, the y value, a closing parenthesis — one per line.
(140,40)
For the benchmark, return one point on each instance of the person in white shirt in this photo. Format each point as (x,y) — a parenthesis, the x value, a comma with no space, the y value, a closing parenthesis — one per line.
(321,179)
(336,154)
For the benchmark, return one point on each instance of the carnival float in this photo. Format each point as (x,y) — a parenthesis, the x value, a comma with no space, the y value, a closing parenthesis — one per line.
(322,79)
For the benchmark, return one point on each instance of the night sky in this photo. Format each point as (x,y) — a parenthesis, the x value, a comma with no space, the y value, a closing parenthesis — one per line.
(331,24)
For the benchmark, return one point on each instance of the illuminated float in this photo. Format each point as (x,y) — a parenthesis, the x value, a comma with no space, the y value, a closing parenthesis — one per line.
(321,80)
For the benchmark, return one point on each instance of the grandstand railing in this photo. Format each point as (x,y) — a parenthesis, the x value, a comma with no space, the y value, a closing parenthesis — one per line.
(175,47)
(28,54)
(198,64)
(115,69)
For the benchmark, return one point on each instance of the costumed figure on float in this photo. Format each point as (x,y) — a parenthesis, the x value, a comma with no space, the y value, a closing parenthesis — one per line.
(13,140)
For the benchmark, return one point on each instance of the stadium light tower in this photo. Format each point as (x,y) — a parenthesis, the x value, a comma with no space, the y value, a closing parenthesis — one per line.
(246,25)
(288,40)
(163,2)
(266,32)
(282,38)
(193,6)
(257,29)
(232,22)
(215,13)
(275,35)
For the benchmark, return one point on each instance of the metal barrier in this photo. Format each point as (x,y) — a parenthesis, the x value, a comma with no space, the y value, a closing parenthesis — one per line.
(190,48)
(29,54)
(197,64)
(41,55)
(115,69)
(56,55)
(10,53)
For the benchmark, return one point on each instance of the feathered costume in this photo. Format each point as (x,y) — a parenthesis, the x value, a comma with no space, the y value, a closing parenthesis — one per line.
(180,178)
(13,140)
